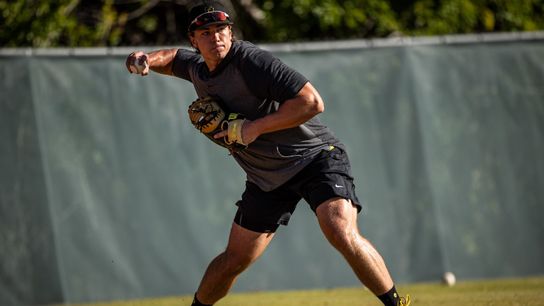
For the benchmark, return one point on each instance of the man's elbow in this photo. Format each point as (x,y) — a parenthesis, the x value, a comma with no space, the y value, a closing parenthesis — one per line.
(320,106)
(312,105)
(316,105)
(313,99)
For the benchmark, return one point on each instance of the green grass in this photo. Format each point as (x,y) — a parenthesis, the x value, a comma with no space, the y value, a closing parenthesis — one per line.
(501,292)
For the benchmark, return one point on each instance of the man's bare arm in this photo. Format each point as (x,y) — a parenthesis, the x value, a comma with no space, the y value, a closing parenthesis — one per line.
(293,112)
(161,61)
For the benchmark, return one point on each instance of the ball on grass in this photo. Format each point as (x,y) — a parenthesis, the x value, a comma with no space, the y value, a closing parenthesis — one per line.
(448,279)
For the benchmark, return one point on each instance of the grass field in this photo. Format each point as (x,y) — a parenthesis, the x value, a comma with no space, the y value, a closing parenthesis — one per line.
(502,292)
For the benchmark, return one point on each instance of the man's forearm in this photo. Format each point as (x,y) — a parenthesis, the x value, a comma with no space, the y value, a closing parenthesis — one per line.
(293,112)
(161,61)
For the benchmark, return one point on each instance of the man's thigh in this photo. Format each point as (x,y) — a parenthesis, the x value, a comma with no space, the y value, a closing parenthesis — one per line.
(327,177)
(247,243)
(264,212)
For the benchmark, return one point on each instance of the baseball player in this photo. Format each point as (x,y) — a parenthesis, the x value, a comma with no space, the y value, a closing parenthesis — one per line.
(264,113)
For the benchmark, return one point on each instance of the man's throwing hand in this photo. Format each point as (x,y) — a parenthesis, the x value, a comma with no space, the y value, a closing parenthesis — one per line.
(138,62)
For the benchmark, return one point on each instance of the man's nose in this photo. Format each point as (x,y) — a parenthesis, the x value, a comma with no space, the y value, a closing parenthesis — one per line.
(216,35)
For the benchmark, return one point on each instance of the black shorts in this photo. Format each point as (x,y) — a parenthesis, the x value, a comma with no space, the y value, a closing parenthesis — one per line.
(327,176)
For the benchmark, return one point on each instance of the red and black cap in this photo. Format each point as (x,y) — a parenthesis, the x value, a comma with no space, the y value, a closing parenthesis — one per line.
(208,13)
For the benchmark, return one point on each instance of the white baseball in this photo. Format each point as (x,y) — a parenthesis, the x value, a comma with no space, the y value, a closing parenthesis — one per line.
(139,64)
(448,279)
(137,67)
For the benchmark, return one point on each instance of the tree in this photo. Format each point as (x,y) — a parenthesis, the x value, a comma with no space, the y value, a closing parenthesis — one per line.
(429,17)
(56,23)
(289,20)
(78,23)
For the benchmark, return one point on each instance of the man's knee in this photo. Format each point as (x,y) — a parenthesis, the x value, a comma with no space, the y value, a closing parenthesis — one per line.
(341,238)
(235,262)
(337,219)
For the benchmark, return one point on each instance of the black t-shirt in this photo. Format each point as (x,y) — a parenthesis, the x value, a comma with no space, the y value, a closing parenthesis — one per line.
(253,82)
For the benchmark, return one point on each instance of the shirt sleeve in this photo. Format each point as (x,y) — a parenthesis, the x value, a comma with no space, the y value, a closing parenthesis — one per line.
(269,78)
(183,63)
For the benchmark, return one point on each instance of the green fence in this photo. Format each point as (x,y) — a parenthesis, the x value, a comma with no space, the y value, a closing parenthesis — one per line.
(107,192)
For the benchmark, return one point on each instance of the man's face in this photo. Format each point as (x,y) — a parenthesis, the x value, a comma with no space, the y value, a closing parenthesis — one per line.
(214,41)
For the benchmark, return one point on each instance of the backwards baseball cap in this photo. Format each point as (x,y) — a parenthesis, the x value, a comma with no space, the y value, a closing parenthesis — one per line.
(208,13)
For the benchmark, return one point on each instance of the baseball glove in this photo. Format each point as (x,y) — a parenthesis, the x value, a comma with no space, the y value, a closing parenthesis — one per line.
(210,116)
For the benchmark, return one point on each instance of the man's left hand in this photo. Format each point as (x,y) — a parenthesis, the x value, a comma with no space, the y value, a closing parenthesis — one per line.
(248,133)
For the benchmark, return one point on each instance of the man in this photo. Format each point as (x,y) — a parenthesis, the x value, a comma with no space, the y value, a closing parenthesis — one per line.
(289,154)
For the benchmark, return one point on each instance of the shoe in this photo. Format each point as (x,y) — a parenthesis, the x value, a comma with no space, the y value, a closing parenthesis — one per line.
(404,301)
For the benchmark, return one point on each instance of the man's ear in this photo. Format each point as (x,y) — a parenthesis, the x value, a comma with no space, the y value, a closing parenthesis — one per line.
(232,37)
(192,40)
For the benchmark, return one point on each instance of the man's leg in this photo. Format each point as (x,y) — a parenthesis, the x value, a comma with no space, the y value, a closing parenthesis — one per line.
(244,247)
(338,221)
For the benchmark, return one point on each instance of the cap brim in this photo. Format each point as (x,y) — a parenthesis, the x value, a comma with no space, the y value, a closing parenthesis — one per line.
(209,24)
